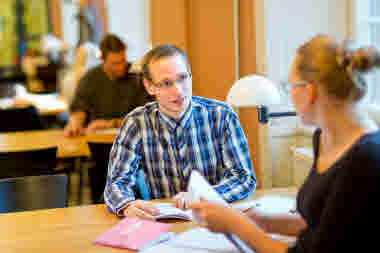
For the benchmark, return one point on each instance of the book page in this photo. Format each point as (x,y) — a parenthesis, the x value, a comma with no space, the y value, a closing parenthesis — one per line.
(198,187)
(168,211)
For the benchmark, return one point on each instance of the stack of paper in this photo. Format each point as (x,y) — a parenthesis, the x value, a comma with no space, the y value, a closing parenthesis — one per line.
(198,240)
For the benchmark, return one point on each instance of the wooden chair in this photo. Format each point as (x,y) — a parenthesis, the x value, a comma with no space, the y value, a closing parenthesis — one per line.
(33,192)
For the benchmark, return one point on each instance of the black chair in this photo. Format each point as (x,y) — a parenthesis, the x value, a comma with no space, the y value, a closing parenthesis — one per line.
(28,163)
(98,174)
(32,193)
(20,119)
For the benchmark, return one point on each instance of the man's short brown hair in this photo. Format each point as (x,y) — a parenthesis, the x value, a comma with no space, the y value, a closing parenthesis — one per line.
(111,43)
(159,52)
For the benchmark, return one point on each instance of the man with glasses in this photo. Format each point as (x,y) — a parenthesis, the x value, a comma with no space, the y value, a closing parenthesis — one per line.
(172,136)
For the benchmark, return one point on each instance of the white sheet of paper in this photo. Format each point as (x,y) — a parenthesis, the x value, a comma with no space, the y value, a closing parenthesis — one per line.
(198,187)
(198,240)
(167,210)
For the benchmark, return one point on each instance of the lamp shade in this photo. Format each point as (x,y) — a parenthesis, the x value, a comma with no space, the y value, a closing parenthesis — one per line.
(253,90)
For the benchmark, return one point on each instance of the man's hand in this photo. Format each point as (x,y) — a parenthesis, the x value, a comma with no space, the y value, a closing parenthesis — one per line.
(140,209)
(99,124)
(182,200)
(75,126)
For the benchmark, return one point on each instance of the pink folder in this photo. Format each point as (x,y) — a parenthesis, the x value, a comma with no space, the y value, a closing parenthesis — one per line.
(132,233)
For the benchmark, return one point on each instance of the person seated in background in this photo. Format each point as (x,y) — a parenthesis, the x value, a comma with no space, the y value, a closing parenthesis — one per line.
(336,202)
(42,66)
(30,61)
(106,93)
(171,137)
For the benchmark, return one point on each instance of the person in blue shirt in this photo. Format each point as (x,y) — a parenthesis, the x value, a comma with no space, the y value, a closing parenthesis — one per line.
(172,136)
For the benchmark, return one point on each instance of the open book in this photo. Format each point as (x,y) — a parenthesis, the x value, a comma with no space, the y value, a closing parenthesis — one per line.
(198,187)
(168,211)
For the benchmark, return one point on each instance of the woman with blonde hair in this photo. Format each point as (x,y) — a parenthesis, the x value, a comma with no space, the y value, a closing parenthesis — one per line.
(336,204)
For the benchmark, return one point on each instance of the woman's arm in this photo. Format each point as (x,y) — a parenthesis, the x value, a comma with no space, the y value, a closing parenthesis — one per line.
(287,223)
(222,219)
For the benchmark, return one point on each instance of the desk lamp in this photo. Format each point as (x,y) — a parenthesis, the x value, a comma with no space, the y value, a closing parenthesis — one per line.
(251,96)
(258,91)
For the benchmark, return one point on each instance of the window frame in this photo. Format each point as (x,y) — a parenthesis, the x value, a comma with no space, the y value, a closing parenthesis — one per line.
(361,34)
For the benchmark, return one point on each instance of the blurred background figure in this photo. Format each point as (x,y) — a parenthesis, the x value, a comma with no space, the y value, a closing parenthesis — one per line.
(42,66)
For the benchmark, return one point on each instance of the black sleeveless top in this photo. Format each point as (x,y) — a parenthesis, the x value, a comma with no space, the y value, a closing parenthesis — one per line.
(340,204)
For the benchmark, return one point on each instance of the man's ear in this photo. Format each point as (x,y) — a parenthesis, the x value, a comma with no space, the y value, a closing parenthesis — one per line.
(151,89)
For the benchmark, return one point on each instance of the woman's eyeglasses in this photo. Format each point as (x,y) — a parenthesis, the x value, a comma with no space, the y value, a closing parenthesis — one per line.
(287,86)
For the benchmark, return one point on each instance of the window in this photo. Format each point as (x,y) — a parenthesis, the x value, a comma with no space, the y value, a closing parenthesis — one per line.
(367,30)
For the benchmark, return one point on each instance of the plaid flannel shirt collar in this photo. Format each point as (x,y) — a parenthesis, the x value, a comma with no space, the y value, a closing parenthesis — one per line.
(171,124)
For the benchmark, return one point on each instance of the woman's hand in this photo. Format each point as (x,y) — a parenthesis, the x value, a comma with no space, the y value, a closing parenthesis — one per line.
(216,217)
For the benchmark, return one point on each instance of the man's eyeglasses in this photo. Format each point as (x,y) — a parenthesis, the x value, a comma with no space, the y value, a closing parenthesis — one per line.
(287,86)
(167,84)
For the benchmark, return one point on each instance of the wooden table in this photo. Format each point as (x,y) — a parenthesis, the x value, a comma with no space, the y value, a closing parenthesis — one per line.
(67,147)
(60,230)
(73,229)
(46,104)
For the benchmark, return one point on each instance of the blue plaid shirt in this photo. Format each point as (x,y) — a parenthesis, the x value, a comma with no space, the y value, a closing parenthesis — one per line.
(208,138)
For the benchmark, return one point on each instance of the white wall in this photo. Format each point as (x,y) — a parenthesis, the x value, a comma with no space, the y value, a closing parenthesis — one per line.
(127,18)
(70,26)
(130,20)
(290,23)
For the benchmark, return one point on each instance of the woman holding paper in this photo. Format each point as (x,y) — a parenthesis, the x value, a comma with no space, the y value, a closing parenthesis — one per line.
(336,202)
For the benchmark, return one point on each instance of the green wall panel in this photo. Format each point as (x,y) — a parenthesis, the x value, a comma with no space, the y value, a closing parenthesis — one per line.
(8,34)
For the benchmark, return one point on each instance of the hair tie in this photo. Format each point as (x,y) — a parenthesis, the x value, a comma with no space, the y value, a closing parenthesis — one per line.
(344,56)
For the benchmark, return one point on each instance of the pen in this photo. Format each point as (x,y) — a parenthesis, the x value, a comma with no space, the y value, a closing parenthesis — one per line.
(235,242)
(163,238)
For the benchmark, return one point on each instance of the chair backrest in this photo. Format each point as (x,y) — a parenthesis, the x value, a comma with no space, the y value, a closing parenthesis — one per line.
(20,119)
(100,153)
(32,193)
(142,187)
(28,163)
